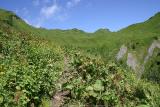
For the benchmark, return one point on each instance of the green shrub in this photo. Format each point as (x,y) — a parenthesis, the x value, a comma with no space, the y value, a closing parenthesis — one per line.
(97,83)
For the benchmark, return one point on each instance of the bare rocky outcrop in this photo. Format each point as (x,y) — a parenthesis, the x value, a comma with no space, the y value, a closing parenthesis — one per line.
(155,44)
(132,61)
(122,52)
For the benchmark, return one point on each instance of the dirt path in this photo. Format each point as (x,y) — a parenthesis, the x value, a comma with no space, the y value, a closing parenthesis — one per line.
(58,98)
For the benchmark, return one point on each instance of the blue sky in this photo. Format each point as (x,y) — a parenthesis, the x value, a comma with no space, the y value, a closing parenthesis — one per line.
(88,15)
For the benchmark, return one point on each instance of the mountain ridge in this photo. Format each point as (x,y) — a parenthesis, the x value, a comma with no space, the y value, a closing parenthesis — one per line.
(40,67)
(10,13)
(136,37)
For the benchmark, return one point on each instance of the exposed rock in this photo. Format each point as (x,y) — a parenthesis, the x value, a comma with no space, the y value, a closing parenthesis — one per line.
(155,44)
(122,52)
(132,61)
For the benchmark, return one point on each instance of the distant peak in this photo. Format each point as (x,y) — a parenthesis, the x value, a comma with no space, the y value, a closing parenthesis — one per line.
(157,13)
(6,13)
(103,30)
(77,30)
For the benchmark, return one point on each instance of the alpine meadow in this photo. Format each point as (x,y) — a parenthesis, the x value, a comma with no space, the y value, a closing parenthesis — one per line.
(42,67)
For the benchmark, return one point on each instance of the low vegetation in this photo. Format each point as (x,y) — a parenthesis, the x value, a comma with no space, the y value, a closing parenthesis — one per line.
(36,64)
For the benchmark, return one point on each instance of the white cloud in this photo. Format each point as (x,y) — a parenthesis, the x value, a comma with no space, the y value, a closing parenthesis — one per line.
(37,25)
(54,10)
(27,21)
(72,3)
(50,10)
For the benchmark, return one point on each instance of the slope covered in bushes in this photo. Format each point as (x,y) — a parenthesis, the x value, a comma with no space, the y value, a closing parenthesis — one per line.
(37,65)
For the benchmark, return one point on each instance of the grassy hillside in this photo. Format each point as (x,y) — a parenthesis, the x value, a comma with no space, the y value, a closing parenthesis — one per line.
(37,65)
(143,32)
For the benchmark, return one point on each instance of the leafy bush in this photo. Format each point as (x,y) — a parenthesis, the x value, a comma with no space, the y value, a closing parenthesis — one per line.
(28,72)
(152,72)
(97,83)
(31,68)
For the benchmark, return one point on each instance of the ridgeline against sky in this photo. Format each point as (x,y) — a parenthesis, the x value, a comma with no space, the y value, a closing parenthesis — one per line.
(88,15)
(43,67)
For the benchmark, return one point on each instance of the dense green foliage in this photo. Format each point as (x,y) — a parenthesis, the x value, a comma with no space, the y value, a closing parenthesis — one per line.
(97,83)
(35,64)
(28,70)
(153,68)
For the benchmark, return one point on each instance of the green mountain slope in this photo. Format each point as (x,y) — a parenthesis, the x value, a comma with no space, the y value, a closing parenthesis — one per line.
(137,37)
(37,65)
(151,25)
